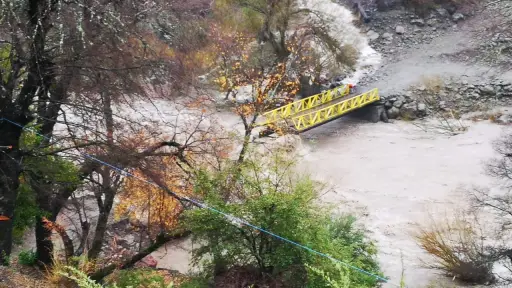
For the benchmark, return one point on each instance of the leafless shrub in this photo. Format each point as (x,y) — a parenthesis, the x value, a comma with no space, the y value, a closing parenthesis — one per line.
(500,167)
(446,121)
(433,84)
(497,202)
(456,248)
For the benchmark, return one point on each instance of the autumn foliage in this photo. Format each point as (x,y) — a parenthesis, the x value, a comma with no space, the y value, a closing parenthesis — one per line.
(151,204)
(243,64)
(172,169)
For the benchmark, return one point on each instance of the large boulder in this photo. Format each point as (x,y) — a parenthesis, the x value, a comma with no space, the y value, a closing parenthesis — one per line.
(387,36)
(422,110)
(457,17)
(393,113)
(372,35)
(418,22)
(147,262)
(487,90)
(399,102)
(400,30)
(409,111)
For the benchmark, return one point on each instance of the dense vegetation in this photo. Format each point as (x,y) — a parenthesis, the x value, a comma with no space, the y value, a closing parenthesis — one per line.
(285,204)
(75,80)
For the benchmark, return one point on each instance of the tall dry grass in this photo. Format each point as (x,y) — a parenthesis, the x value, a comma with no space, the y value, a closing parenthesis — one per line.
(433,84)
(456,248)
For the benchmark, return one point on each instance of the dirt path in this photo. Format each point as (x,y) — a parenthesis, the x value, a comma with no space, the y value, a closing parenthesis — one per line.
(427,60)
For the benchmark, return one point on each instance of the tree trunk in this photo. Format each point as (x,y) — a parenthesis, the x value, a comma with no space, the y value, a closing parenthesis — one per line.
(99,234)
(9,182)
(44,245)
(160,241)
(15,107)
(105,206)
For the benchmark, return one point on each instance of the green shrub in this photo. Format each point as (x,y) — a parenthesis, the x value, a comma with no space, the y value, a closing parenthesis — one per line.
(25,212)
(79,277)
(195,283)
(38,171)
(272,197)
(7,259)
(27,257)
(139,278)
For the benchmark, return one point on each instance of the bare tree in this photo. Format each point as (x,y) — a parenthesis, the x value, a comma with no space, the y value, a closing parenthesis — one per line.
(498,202)
(63,57)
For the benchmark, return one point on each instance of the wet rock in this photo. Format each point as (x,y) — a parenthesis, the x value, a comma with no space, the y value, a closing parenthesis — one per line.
(418,22)
(457,17)
(451,9)
(400,30)
(409,111)
(372,35)
(442,12)
(387,36)
(422,109)
(474,95)
(384,116)
(398,103)
(393,113)
(432,22)
(487,90)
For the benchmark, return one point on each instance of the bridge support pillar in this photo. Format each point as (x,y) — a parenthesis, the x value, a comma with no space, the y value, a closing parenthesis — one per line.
(372,113)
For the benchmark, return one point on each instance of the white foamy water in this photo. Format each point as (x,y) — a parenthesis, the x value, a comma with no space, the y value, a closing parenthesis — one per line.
(340,20)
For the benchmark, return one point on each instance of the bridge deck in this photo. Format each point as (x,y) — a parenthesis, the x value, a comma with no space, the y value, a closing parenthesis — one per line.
(327,111)
(300,106)
(338,108)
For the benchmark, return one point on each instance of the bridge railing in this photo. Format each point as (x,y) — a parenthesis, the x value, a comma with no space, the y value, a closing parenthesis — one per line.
(298,106)
(309,120)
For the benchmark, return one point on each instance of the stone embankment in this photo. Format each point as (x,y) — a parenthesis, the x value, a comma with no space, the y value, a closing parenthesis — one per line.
(438,95)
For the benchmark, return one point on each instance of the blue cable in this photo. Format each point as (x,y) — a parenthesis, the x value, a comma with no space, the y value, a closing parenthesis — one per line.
(231,218)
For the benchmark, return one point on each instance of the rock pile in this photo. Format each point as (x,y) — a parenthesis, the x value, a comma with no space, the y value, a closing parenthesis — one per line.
(461,97)
(392,31)
(393,28)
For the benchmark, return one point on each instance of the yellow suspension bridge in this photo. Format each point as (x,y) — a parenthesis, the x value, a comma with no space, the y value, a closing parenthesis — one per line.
(318,109)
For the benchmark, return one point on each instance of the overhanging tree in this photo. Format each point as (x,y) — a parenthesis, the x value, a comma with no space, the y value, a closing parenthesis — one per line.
(58,59)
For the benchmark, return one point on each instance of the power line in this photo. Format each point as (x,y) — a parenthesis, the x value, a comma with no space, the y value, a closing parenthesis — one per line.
(232,219)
